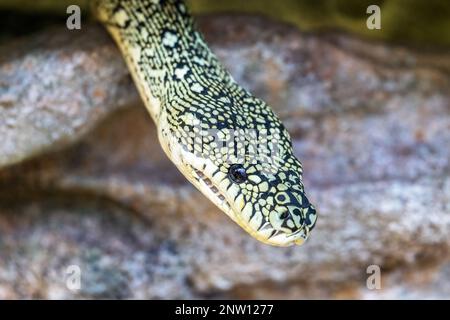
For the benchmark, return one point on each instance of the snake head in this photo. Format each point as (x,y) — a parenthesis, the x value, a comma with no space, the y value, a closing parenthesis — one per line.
(262,192)
(271,204)
(272,207)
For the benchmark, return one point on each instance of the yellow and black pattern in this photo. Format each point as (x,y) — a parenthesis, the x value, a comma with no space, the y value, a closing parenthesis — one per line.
(228,143)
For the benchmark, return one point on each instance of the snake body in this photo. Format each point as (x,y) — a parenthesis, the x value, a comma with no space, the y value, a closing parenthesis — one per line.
(226,142)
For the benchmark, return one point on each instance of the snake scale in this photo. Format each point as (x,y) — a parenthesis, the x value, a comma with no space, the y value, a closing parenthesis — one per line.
(226,142)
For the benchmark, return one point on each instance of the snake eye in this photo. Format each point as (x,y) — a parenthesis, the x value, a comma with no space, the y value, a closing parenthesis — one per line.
(237,173)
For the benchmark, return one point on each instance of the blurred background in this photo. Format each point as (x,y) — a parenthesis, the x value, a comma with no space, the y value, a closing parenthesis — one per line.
(90,207)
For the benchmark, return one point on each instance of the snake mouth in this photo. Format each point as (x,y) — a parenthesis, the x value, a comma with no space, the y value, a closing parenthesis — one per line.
(275,238)
(298,237)
(202,179)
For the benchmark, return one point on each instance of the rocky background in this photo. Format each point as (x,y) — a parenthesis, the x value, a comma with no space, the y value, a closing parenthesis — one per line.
(83,180)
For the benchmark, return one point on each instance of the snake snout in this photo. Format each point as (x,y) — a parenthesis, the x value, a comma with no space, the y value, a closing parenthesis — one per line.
(310,214)
(292,218)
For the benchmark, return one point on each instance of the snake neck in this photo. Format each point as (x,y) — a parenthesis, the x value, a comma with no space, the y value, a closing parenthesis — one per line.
(167,57)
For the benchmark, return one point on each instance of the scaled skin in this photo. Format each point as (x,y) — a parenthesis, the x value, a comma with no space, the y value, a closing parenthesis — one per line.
(207,123)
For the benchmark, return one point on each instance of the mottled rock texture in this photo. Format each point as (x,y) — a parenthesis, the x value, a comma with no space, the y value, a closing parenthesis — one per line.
(54,87)
(370,123)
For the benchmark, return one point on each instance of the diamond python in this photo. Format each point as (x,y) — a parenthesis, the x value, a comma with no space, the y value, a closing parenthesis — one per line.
(226,142)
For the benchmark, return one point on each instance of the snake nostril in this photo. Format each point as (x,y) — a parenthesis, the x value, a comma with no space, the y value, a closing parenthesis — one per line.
(305,201)
(284,215)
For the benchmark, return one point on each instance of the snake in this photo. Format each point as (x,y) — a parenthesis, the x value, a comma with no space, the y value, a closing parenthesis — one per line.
(228,143)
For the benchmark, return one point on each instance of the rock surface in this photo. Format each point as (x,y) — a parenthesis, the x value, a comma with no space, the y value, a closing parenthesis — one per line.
(369,122)
(54,87)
